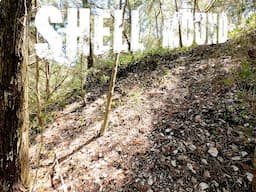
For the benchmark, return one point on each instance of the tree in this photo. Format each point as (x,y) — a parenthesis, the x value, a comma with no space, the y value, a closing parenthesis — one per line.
(112,81)
(14,144)
(180,36)
(90,57)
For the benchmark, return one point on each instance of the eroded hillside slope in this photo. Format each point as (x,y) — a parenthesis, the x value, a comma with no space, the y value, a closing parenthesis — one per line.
(180,122)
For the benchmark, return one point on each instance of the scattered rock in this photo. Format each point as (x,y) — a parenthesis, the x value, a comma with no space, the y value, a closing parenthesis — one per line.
(192,147)
(207,174)
(243,153)
(203,186)
(190,167)
(235,168)
(174,164)
(175,152)
(198,119)
(150,181)
(194,180)
(182,158)
(236,158)
(204,161)
(213,151)
(167,131)
(249,176)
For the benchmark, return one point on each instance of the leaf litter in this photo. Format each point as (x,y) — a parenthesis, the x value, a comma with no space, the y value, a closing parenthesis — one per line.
(171,129)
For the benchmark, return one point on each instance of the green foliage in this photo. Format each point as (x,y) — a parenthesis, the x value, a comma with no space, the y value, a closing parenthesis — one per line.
(129,58)
(104,79)
(135,96)
(109,63)
(250,23)
(247,72)
(235,32)
(46,118)
(249,131)
(34,125)
(156,51)
(166,72)
(125,59)
(229,81)
(121,102)
(245,78)
(113,104)
(213,132)
(83,120)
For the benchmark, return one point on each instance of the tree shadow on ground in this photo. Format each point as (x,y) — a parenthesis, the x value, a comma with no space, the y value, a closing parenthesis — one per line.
(185,131)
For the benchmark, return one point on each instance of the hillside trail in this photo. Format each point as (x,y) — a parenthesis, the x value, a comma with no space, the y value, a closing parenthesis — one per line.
(171,129)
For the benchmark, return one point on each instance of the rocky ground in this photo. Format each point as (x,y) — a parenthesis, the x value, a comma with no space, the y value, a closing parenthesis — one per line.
(176,125)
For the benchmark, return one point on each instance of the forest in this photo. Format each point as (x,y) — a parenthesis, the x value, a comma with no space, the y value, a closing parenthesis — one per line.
(128,96)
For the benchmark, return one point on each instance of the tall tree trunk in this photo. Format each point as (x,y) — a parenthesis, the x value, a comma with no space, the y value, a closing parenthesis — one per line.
(157,27)
(194,9)
(180,35)
(127,30)
(14,166)
(37,77)
(47,80)
(110,95)
(112,81)
(209,6)
(38,104)
(194,20)
(90,60)
(162,22)
(124,33)
(83,69)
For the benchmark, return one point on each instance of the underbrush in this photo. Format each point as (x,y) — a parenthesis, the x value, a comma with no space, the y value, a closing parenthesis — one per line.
(243,114)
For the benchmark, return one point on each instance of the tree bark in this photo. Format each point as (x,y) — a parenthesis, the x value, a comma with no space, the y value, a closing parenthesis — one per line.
(37,77)
(194,20)
(110,95)
(209,6)
(112,81)
(47,80)
(124,33)
(14,160)
(90,60)
(162,22)
(180,35)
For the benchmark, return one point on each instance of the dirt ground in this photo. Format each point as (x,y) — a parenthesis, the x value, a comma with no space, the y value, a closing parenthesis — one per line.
(173,127)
